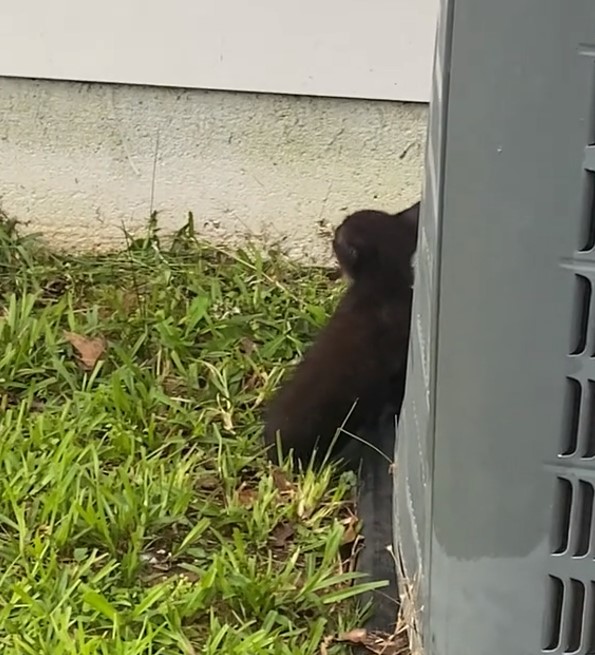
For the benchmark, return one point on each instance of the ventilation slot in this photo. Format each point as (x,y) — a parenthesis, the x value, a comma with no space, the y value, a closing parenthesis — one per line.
(588,222)
(574,608)
(582,302)
(572,410)
(589,427)
(562,507)
(590,622)
(553,617)
(583,518)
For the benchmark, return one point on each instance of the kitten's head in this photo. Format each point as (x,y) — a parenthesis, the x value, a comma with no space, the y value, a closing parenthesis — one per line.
(374,243)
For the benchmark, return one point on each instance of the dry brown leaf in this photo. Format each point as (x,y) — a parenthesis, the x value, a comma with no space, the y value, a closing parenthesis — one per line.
(357,636)
(191,576)
(130,301)
(376,644)
(326,642)
(172,386)
(350,534)
(251,381)
(246,496)
(281,534)
(208,483)
(55,287)
(247,345)
(281,481)
(227,420)
(89,350)
(352,637)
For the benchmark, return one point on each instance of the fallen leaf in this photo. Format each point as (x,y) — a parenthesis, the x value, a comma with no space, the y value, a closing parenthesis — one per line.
(376,643)
(246,496)
(227,420)
(354,637)
(130,301)
(191,576)
(357,636)
(89,350)
(55,287)
(252,381)
(247,345)
(208,483)
(281,481)
(281,534)
(172,386)
(326,642)
(350,534)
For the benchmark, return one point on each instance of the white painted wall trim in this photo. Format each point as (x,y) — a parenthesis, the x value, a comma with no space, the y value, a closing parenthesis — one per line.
(342,48)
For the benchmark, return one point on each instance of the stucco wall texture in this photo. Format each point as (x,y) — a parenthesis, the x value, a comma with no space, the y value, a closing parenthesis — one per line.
(79,162)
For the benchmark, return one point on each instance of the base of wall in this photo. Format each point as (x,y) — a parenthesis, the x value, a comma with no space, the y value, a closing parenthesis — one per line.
(83,161)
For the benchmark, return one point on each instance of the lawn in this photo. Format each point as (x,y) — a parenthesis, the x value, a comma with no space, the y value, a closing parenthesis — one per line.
(137,512)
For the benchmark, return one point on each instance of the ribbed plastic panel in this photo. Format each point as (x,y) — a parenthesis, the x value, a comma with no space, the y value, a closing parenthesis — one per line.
(495,475)
(415,441)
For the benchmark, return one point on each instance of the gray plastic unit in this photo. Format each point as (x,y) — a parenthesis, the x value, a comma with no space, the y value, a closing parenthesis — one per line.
(495,475)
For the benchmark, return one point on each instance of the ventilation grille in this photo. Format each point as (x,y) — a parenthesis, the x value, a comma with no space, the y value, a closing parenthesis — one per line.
(571,622)
(578,438)
(587,243)
(587,239)
(569,619)
(573,514)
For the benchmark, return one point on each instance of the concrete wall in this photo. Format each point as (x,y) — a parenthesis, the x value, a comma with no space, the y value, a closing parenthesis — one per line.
(80,161)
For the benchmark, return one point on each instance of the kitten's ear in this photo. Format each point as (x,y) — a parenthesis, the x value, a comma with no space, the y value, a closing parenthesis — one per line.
(411,216)
(411,219)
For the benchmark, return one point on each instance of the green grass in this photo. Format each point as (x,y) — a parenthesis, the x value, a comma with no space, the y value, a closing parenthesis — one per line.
(137,512)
